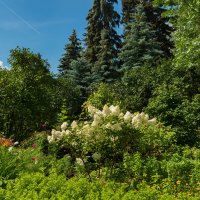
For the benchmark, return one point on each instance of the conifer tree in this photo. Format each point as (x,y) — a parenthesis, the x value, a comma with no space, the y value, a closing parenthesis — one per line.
(72,52)
(140,45)
(153,14)
(106,69)
(93,32)
(80,73)
(102,40)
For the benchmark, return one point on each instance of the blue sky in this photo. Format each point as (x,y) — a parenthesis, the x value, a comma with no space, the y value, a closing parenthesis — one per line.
(41,25)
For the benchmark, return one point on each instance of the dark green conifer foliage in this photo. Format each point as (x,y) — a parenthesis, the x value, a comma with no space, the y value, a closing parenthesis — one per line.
(72,52)
(102,40)
(105,69)
(128,10)
(93,32)
(153,13)
(140,45)
(80,73)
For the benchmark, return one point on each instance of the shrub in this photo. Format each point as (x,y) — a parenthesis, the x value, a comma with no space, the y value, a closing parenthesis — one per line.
(37,186)
(135,89)
(172,106)
(103,140)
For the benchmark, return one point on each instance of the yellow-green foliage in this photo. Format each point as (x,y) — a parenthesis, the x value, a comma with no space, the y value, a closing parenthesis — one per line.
(37,186)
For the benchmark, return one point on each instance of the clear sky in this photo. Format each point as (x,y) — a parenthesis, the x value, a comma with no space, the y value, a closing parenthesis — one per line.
(41,25)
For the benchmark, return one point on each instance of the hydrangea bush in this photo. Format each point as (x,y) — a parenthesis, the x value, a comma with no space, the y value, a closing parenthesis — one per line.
(109,134)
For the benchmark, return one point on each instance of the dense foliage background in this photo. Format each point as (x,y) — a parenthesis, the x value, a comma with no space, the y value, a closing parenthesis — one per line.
(121,118)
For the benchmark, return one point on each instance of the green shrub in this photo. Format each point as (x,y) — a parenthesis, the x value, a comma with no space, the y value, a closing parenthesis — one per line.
(26,95)
(103,141)
(37,186)
(172,106)
(135,89)
(104,94)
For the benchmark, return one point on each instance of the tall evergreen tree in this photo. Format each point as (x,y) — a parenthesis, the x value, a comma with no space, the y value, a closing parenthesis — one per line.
(80,73)
(93,32)
(72,52)
(140,45)
(102,40)
(106,69)
(153,13)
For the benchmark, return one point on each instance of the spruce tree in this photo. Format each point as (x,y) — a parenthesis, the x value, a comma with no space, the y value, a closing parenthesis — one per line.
(72,52)
(102,40)
(93,32)
(153,13)
(106,67)
(140,45)
(80,73)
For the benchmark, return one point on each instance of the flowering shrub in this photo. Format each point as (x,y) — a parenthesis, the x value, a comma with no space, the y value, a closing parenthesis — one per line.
(109,134)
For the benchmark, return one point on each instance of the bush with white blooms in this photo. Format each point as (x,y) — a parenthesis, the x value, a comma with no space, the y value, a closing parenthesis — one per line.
(110,133)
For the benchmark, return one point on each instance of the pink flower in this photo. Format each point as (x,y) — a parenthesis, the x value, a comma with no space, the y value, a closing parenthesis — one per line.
(34,146)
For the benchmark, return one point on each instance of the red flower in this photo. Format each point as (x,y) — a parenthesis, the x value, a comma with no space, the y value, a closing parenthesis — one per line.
(34,146)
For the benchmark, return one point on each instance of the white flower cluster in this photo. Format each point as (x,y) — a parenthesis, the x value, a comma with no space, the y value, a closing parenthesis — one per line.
(100,120)
(79,161)
(58,135)
(135,119)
